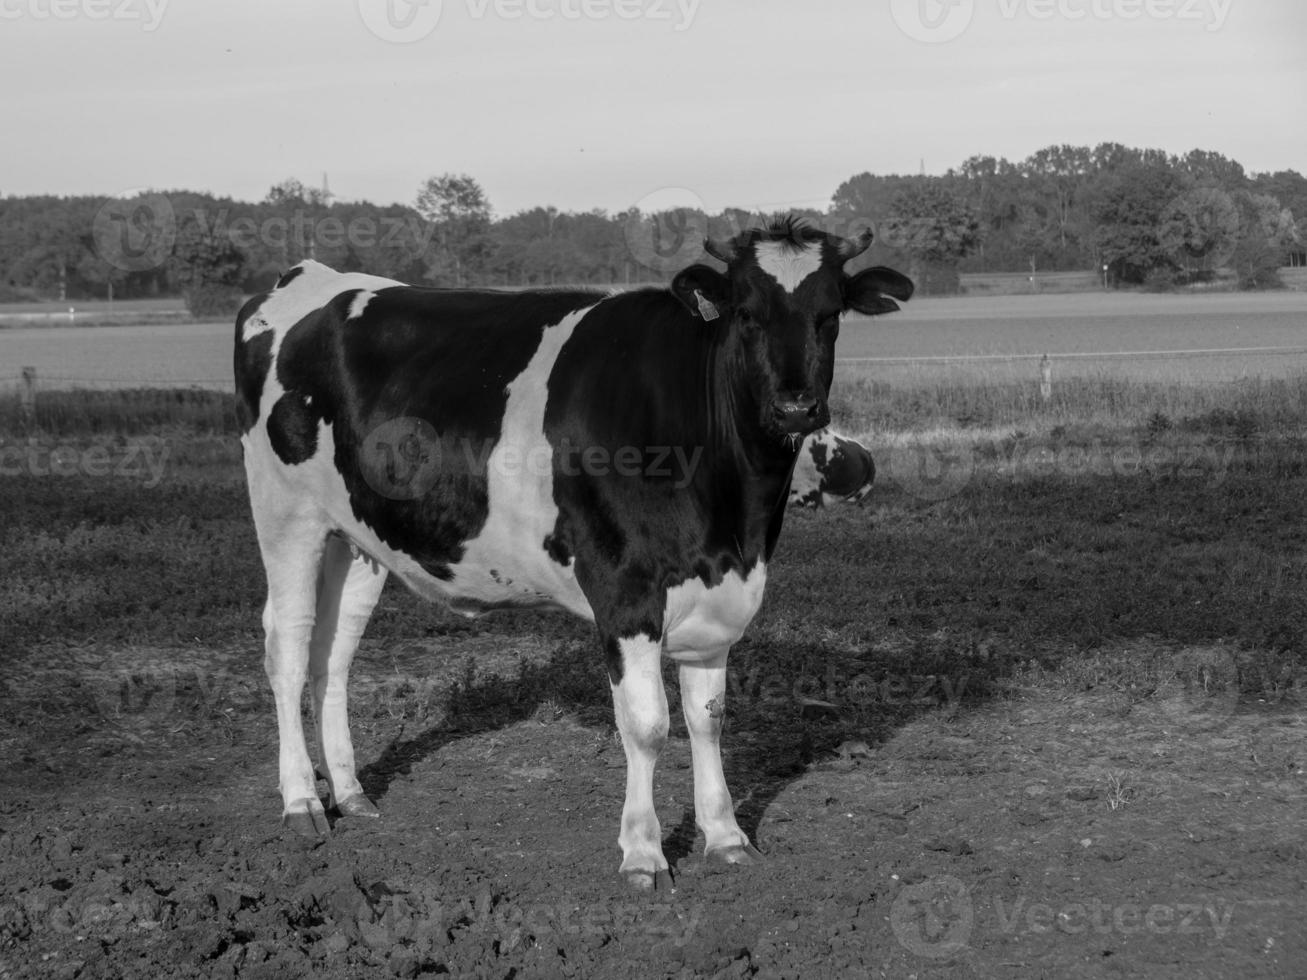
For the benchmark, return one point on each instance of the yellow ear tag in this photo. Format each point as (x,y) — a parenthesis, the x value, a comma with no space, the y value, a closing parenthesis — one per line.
(706,308)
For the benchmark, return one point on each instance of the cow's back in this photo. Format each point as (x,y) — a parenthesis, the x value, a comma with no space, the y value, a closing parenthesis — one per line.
(385,406)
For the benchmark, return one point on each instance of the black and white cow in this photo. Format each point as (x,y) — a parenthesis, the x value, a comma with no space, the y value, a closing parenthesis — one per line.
(626,457)
(831,468)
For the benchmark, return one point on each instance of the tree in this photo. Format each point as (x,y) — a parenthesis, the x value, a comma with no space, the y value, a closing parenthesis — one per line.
(936,229)
(1058,172)
(210,269)
(1265,231)
(55,242)
(291,215)
(664,242)
(458,209)
(291,192)
(1064,207)
(1198,229)
(1035,235)
(1211,169)
(1125,206)
(1112,156)
(1287,186)
(106,278)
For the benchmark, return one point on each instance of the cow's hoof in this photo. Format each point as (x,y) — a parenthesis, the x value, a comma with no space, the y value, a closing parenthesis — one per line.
(649,881)
(357,805)
(733,854)
(307,820)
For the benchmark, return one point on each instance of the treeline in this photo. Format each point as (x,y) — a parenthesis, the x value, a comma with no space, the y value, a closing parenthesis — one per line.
(1147,216)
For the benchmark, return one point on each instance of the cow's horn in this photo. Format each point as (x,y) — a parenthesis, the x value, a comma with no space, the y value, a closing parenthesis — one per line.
(724,250)
(849,247)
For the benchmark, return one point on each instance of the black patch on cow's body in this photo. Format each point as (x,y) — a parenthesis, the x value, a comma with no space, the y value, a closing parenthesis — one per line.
(556,550)
(641,371)
(293,429)
(250,363)
(445,357)
(253,361)
(847,470)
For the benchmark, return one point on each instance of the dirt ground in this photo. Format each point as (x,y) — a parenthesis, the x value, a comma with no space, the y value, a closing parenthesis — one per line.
(1043,832)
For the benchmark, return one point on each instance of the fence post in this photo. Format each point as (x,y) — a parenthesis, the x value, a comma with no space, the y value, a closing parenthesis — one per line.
(1045,379)
(27,396)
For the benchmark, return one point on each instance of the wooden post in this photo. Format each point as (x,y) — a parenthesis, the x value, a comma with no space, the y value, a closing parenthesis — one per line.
(27,397)
(1045,379)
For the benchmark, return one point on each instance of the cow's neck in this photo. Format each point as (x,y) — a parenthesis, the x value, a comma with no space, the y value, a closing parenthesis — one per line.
(739,445)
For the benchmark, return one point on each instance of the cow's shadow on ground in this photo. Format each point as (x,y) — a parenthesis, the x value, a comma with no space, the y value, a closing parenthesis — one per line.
(788,706)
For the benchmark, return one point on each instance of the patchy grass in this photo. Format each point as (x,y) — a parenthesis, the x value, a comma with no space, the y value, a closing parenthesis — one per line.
(125,412)
(1075,646)
(863,403)
(1110,547)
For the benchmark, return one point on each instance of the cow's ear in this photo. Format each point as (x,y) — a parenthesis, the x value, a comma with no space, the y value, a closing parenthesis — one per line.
(705,292)
(870,290)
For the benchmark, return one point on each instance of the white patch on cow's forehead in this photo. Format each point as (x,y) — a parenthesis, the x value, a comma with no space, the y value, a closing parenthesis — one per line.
(788,265)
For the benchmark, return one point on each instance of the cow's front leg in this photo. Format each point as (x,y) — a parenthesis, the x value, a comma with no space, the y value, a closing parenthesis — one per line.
(640,705)
(703,701)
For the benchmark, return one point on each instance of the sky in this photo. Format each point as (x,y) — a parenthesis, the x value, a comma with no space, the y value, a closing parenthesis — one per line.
(612,104)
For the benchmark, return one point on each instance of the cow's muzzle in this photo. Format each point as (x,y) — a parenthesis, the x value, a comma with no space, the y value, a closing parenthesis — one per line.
(798,413)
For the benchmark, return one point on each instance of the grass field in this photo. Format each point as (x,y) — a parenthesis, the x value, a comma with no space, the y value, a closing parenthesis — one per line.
(1115,527)
(982,489)
(1057,663)
(1042,686)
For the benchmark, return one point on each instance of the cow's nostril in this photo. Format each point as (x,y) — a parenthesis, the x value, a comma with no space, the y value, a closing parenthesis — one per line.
(797,413)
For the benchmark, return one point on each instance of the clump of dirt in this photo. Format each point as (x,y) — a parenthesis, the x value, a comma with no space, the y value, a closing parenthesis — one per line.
(1046,832)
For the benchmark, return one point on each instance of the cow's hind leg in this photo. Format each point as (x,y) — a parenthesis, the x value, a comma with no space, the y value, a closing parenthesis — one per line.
(348,588)
(640,705)
(292,546)
(703,702)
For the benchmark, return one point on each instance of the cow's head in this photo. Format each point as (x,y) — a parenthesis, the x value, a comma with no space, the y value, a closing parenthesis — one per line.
(781,299)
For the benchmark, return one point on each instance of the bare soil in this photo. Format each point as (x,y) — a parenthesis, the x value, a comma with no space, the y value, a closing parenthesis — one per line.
(1040,831)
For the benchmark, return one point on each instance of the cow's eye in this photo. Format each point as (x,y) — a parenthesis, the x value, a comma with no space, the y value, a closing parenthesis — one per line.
(746,318)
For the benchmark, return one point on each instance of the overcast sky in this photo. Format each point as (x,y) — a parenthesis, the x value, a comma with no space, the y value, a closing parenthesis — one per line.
(602,103)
